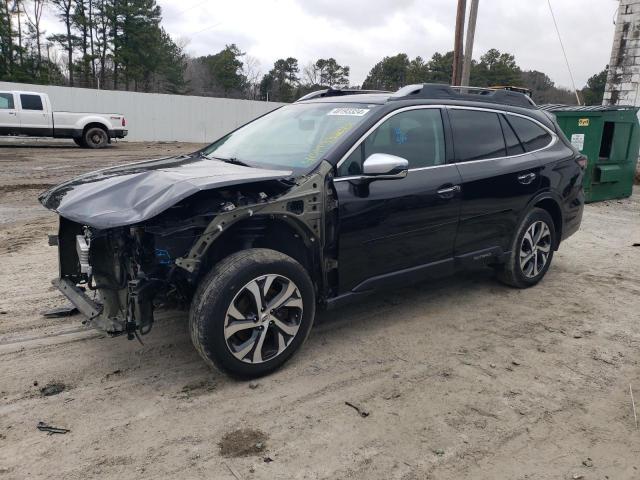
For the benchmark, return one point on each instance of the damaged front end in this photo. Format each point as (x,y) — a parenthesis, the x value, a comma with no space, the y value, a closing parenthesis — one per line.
(118,276)
(112,276)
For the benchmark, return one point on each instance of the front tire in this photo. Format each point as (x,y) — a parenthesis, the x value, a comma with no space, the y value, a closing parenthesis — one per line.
(531,251)
(252,312)
(95,137)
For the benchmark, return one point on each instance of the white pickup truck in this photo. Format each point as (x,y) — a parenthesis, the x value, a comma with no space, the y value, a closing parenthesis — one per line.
(30,114)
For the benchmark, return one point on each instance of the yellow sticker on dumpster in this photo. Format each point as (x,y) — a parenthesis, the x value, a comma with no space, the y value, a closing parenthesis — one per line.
(583,122)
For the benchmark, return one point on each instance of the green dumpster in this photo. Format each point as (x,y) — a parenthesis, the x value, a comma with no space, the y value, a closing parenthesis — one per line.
(608,136)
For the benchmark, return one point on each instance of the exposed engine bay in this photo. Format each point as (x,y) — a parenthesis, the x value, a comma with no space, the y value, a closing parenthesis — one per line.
(118,276)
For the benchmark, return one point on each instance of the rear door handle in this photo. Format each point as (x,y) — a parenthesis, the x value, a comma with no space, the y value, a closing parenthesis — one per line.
(527,178)
(448,192)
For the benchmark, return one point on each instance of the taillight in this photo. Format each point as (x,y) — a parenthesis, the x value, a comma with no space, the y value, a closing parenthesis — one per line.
(582,161)
(124,122)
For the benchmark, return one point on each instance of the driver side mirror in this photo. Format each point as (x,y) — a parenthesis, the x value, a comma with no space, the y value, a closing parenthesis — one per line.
(382,166)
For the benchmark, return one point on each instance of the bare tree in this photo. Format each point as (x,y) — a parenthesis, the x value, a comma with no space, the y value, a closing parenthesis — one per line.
(8,41)
(101,25)
(17,10)
(65,12)
(34,24)
(311,74)
(253,73)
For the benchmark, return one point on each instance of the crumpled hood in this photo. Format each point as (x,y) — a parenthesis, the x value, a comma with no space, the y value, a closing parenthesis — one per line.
(129,194)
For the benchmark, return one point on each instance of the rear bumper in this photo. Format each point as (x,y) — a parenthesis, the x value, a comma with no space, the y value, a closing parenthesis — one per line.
(118,133)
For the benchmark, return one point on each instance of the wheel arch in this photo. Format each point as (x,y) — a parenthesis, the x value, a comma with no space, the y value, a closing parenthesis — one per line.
(281,233)
(547,201)
(92,124)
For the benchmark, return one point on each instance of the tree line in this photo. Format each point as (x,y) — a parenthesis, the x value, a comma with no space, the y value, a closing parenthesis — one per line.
(121,45)
(113,44)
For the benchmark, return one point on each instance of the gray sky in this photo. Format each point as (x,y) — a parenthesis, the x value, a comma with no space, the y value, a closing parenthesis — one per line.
(359,33)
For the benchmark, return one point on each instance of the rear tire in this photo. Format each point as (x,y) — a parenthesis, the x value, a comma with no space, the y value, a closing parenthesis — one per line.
(95,137)
(252,312)
(531,251)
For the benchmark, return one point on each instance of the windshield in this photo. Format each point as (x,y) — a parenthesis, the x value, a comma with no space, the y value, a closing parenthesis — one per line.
(293,137)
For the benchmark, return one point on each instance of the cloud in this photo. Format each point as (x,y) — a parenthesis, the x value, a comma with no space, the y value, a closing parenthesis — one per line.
(359,33)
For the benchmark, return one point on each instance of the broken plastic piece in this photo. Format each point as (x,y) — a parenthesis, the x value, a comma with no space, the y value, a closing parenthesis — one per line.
(58,312)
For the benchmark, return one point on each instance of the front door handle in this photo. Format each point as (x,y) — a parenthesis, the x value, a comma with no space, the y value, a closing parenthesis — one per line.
(527,178)
(448,192)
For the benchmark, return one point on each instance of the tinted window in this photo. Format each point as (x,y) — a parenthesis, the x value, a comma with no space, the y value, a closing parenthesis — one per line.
(476,135)
(416,135)
(532,136)
(6,101)
(31,102)
(514,147)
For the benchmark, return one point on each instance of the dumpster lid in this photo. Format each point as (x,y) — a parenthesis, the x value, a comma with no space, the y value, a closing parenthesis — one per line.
(558,107)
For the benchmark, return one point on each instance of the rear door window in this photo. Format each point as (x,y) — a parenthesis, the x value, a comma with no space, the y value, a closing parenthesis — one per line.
(531,135)
(6,101)
(31,102)
(477,135)
(514,147)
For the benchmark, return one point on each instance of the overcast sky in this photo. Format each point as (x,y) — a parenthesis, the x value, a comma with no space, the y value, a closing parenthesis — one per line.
(359,33)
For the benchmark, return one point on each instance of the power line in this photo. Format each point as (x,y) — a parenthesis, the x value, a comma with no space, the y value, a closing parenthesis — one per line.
(206,28)
(564,52)
(182,12)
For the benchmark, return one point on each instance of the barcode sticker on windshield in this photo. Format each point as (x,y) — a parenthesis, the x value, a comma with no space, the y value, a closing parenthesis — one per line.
(353,112)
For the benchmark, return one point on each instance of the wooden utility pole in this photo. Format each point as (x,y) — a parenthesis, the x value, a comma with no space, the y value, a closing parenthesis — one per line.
(457,44)
(468,46)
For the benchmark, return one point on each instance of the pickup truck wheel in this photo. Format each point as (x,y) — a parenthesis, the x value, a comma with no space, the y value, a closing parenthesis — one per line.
(252,312)
(80,142)
(531,251)
(96,137)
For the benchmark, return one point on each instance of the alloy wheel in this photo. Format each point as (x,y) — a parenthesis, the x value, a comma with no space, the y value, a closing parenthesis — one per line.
(263,318)
(535,249)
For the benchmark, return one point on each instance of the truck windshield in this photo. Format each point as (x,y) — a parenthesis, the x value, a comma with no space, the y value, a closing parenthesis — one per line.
(292,137)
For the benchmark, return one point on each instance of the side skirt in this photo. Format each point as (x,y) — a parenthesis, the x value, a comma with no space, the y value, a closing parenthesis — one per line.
(429,271)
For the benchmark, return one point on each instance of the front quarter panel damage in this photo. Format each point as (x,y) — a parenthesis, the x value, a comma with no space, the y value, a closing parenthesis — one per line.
(301,205)
(160,261)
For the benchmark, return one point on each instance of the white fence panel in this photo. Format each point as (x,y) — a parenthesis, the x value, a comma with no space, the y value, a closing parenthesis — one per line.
(155,116)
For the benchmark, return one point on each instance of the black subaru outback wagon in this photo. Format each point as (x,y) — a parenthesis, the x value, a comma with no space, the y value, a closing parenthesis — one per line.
(324,201)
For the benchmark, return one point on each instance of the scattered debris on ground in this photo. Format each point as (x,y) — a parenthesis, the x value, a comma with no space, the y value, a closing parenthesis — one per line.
(53,388)
(197,388)
(43,427)
(115,373)
(361,411)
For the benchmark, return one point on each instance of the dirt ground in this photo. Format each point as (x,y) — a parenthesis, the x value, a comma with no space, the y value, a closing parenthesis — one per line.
(458,379)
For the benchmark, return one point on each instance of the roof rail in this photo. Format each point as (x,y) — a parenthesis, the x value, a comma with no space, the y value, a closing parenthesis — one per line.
(473,94)
(559,107)
(336,92)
